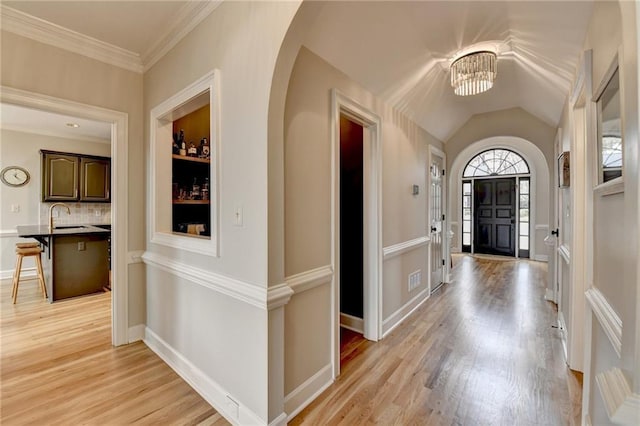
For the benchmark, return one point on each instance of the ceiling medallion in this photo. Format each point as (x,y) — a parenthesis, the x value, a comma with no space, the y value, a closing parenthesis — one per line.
(474,73)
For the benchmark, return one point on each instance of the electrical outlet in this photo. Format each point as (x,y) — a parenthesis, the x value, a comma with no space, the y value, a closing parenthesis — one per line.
(81,246)
(15,208)
(98,213)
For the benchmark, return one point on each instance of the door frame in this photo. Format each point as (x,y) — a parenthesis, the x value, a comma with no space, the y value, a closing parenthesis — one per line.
(119,191)
(446,236)
(372,220)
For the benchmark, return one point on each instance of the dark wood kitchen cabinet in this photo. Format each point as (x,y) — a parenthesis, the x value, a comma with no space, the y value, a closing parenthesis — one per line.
(59,176)
(95,179)
(75,177)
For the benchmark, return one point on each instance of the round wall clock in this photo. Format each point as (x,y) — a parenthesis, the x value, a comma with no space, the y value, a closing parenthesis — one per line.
(14,176)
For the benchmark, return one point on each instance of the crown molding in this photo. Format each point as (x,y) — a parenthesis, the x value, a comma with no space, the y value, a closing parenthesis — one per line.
(52,133)
(188,17)
(37,29)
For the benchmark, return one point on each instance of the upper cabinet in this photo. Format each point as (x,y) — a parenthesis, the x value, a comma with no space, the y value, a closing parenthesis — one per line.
(75,177)
(95,179)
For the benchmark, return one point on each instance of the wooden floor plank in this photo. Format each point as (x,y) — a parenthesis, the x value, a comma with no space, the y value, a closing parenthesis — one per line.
(57,367)
(480,351)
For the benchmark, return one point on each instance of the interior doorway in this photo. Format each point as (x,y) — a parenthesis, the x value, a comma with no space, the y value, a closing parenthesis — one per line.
(351,225)
(370,216)
(436,219)
(118,122)
(495,216)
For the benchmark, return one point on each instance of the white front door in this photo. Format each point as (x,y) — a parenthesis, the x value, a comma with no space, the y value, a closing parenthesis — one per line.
(436,221)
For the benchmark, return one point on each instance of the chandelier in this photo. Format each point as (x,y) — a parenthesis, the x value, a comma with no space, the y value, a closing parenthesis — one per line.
(473,73)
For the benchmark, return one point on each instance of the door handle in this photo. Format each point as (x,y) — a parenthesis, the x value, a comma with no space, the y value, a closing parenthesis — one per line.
(556,232)
(434,229)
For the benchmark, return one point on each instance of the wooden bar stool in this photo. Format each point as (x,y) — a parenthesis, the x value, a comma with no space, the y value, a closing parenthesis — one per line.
(26,250)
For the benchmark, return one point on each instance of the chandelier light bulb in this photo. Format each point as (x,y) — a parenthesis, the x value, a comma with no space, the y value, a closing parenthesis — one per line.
(474,73)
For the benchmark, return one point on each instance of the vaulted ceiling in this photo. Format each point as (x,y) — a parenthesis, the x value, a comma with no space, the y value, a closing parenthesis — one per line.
(400,51)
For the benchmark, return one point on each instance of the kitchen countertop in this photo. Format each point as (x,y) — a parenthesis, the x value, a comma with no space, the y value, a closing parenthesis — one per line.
(32,231)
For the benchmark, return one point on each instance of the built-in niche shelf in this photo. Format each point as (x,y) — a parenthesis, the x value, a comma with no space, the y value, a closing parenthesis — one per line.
(184,148)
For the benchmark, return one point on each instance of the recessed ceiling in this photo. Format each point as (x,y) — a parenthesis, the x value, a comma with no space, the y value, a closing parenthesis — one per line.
(14,117)
(401,52)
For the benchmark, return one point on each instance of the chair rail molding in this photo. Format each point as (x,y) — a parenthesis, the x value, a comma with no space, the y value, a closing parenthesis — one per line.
(310,279)
(394,250)
(607,317)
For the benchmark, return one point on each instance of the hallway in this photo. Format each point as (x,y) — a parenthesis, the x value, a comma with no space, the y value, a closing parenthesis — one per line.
(482,350)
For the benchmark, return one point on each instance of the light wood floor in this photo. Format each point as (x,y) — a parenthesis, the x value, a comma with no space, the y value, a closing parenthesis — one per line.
(58,368)
(480,351)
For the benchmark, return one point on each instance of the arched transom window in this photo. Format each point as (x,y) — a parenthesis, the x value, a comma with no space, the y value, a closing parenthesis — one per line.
(496,162)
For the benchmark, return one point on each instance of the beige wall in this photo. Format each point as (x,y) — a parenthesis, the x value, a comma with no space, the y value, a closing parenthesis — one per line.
(241,40)
(41,68)
(307,175)
(18,148)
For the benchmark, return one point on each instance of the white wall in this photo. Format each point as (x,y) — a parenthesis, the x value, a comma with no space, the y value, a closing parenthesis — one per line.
(612,338)
(241,40)
(307,206)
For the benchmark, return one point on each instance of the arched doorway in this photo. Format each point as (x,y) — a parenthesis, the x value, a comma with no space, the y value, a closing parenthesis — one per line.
(538,191)
(496,195)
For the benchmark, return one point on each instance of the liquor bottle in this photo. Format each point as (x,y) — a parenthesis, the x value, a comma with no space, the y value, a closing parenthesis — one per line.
(193,151)
(181,143)
(195,190)
(205,189)
(204,148)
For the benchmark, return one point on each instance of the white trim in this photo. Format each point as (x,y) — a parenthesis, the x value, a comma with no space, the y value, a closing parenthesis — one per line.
(281,420)
(550,295)
(394,250)
(134,256)
(211,391)
(8,233)
(372,211)
(136,333)
(396,318)
(607,317)
(307,392)
(278,296)
(562,327)
(160,115)
(541,258)
(119,190)
(352,323)
(614,186)
(444,229)
(37,29)
(587,420)
(239,290)
(623,406)
(310,279)
(540,227)
(565,253)
(25,273)
(187,18)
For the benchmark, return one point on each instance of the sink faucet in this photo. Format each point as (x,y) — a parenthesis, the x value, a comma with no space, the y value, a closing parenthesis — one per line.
(51,213)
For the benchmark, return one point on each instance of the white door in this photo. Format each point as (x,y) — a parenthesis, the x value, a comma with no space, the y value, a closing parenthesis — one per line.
(436,220)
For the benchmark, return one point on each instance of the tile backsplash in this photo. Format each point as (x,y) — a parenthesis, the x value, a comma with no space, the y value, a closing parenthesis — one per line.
(81,213)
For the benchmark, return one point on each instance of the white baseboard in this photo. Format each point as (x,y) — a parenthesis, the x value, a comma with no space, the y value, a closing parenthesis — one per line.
(136,333)
(211,391)
(281,420)
(24,273)
(308,391)
(352,323)
(541,258)
(396,318)
(622,405)
(562,326)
